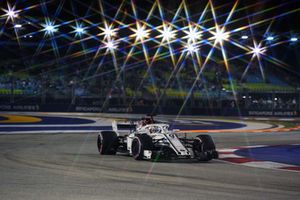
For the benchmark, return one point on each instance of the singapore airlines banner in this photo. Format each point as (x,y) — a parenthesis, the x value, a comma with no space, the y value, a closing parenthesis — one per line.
(292,113)
(147,109)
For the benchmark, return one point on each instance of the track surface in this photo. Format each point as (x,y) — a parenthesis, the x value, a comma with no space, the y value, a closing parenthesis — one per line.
(67,166)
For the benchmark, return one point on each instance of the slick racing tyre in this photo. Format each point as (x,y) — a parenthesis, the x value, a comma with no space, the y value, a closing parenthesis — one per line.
(107,142)
(139,144)
(204,148)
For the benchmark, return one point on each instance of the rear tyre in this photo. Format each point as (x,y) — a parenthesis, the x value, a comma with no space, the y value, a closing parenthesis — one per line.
(107,142)
(204,148)
(139,144)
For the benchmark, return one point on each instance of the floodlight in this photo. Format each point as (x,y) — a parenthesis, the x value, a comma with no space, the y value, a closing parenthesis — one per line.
(257,50)
(193,35)
(191,48)
(11,14)
(270,38)
(220,35)
(110,45)
(79,30)
(245,37)
(141,33)
(18,26)
(109,32)
(167,34)
(294,39)
(49,28)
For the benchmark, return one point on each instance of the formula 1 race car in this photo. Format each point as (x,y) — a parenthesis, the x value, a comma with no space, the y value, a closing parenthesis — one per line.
(150,140)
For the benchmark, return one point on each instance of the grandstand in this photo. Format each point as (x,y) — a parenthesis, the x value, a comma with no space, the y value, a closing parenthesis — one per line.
(252,93)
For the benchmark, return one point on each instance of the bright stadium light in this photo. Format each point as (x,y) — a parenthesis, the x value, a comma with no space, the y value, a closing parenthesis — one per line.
(192,34)
(10,13)
(294,39)
(141,33)
(49,28)
(79,30)
(109,32)
(110,45)
(257,51)
(191,48)
(220,35)
(270,38)
(18,26)
(245,37)
(167,34)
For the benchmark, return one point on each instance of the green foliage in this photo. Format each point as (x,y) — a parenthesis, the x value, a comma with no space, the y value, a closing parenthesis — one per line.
(8,92)
(131,93)
(258,87)
(173,93)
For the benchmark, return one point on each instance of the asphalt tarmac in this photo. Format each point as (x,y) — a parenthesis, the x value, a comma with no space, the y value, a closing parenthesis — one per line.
(68,166)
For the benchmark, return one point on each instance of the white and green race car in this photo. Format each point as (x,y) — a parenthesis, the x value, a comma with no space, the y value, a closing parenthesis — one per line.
(150,140)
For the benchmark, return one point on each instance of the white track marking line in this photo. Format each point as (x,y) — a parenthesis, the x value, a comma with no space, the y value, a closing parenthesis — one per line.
(223,156)
(266,164)
(226,150)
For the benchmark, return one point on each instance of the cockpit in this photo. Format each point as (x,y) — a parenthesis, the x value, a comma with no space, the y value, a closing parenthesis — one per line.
(159,128)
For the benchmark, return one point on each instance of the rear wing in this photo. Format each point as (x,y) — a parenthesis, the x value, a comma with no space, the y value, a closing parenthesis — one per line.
(124,126)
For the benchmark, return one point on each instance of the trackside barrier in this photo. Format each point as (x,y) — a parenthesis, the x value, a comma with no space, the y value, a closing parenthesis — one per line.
(149,109)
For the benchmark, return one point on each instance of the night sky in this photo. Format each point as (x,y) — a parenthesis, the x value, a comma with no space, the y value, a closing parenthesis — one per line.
(31,47)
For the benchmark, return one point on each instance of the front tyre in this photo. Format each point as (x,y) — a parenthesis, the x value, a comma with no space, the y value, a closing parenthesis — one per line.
(204,148)
(139,144)
(107,142)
